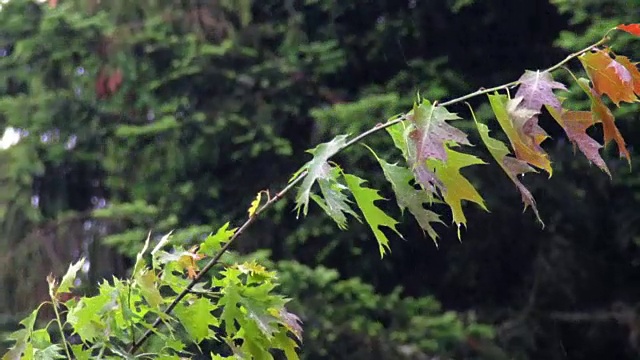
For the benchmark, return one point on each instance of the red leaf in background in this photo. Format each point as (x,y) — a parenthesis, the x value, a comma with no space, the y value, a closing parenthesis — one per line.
(53,3)
(114,81)
(608,76)
(633,29)
(101,90)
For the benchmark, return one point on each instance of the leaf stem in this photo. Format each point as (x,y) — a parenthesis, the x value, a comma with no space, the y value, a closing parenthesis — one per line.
(54,302)
(137,344)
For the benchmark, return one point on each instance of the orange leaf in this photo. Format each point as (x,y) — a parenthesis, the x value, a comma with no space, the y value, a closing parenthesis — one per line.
(608,76)
(521,127)
(633,70)
(602,113)
(633,29)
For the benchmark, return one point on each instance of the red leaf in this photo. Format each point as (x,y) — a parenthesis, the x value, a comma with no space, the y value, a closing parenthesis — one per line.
(608,76)
(575,125)
(114,81)
(53,3)
(633,29)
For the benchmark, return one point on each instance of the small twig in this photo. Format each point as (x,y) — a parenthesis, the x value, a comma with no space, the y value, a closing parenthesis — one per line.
(136,345)
(54,302)
(215,260)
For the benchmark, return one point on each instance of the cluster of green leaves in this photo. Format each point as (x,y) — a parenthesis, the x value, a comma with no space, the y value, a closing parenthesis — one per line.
(237,309)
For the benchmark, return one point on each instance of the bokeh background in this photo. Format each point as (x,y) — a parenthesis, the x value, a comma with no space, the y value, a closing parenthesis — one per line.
(121,117)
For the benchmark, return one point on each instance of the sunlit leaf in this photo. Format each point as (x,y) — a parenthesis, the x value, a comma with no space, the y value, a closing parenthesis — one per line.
(374,216)
(196,318)
(608,76)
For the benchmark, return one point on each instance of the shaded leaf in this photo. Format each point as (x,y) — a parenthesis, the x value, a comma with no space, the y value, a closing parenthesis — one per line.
(333,201)
(608,76)
(375,217)
(196,318)
(575,125)
(315,169)
(409,197)
(511,166)
(146,280)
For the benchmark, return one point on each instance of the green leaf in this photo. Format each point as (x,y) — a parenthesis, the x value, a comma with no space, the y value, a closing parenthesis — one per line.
(86,319)
(455,186)
(213,243)
(316,168)
(196,318)
(67,280)
(409,197)
(80,352)
(146,280)
(333,201)
(288,345)
(365,198)
(21,337)
(511,166)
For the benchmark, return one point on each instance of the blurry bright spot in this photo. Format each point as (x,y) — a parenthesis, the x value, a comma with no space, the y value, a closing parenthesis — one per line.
(11,137)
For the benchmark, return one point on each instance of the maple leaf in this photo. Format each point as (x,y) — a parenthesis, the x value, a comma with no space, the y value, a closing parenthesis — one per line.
(431,131)
(536,89)
(455,186)
(409,197)
(633,29)
(608,76)
(575,125)
(375,217)
(333,201)
(254,204)
(524,134)
(196,318)
(511,166)
(315,169)
(147,281)
(425,177)
(68,279)
(214,242)
(602,114)
(633,71)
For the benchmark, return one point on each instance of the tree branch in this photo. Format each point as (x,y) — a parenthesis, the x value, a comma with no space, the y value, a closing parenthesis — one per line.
(214,261)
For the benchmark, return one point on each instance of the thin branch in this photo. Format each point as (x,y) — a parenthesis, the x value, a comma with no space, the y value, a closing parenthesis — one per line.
(215,260)
(136,345)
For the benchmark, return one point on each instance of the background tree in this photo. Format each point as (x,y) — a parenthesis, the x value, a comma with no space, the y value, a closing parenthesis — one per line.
(157,115)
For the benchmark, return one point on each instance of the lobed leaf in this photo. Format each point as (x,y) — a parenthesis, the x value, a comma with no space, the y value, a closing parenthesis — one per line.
(608,76)
(333,201)
(511,166)
(409,197)
(315,169)
(525,136)
(602,113)
(455,186)
(633,29)
(68,279)
(375,217)
(575,125)
(196,318)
